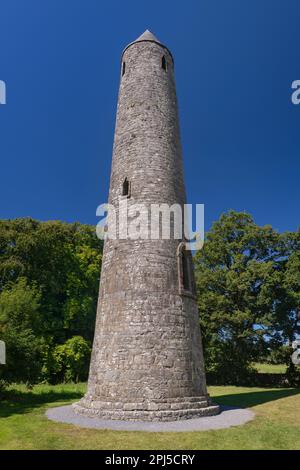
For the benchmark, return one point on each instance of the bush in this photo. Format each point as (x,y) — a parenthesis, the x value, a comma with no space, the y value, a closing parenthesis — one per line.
(280,355)
(3,385)
(70,360)
(19,313)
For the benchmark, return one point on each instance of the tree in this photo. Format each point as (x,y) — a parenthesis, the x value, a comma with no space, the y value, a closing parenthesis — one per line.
(19,316)
(287,318)
(237,274)
(70,360)
(62,262)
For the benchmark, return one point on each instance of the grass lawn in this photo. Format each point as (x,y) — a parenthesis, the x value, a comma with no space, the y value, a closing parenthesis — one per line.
(270,368)
(23,424)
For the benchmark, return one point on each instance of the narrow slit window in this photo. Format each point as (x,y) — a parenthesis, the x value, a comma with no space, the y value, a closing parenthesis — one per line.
(123,68)
(186,280)
(125,187)
(185,271)
(163,63)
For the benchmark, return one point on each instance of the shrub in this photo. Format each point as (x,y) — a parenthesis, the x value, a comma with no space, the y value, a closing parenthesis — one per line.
(70,360)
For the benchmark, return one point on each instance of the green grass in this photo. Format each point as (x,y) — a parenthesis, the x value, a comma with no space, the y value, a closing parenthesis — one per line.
(270,368)
(23,424)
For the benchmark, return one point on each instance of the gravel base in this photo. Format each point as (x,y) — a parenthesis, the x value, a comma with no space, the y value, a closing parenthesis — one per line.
(228,417)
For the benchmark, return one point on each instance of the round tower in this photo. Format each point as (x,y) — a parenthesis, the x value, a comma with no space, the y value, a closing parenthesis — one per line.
(147,360)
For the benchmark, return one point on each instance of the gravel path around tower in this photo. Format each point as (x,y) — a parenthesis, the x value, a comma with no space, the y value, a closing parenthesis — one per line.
(228,417)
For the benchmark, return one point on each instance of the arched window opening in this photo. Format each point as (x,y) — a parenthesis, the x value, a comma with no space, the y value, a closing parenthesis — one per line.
(123,68)
(163,63)
(125,187)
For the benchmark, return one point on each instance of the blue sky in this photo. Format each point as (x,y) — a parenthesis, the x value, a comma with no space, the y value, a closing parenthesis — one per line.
(234,62)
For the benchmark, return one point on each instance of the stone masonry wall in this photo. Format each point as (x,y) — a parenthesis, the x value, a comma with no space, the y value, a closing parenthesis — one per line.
(147,360)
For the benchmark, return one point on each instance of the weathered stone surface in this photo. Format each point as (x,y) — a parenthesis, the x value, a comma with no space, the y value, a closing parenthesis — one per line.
(147,360)
(168,411)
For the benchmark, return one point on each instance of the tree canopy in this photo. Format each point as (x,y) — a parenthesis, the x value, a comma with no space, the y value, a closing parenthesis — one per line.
(248,293)
(248,283)
(49,277)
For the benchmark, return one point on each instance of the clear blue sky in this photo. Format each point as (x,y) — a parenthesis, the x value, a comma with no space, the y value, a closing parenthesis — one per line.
(235,62)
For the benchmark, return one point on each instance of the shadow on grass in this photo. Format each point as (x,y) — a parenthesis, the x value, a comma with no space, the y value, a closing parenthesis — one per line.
(20,402)
(248,399)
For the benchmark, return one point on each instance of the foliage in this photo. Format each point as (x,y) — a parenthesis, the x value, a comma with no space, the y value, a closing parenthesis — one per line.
(49,276)
(248,280)
(70,360)
(279,355)
(19,318)
(247,293)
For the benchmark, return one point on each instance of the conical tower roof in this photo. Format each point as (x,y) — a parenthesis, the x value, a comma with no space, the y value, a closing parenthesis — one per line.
(147,36)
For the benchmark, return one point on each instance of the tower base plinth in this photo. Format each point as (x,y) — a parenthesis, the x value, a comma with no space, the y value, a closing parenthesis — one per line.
(167,410)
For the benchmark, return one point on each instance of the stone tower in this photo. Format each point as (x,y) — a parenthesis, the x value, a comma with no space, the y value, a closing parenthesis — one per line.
(147,360)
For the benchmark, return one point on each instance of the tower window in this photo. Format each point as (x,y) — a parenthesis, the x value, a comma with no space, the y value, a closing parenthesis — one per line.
(185,271)
(163,63)
(123,68)
(126,188)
